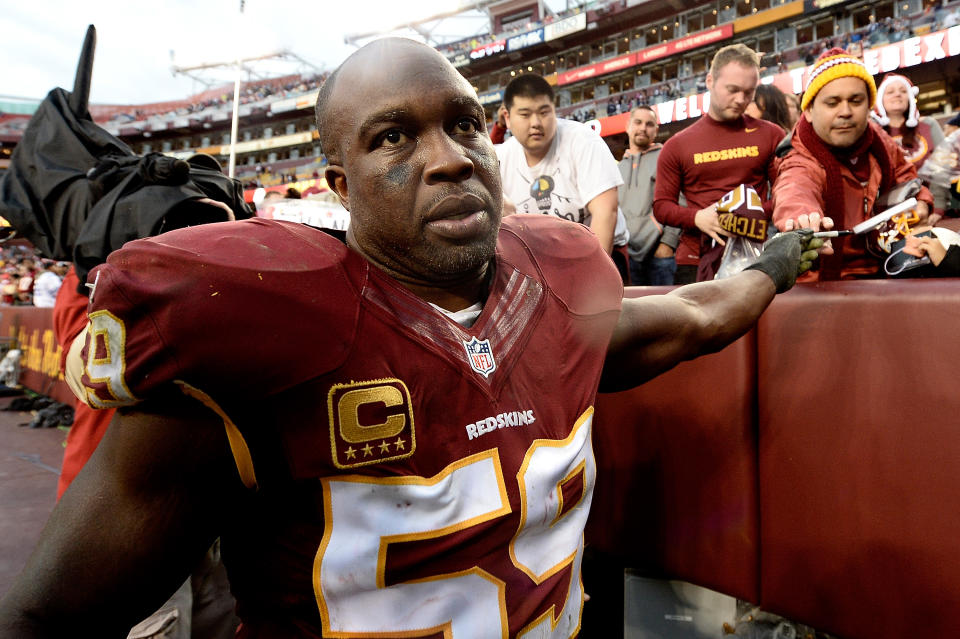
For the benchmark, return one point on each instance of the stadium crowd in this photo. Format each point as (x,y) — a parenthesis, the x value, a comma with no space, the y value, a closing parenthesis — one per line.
(27,278)
(250,92)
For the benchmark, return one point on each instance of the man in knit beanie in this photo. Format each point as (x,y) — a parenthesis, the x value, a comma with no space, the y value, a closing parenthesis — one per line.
(837,162)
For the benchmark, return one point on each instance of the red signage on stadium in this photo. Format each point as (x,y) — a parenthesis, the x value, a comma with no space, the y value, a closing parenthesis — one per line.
(664,50)
(691,106)
(680,45)
(600,68)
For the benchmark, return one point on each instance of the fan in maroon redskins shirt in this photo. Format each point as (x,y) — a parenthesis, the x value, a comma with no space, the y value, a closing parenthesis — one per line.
(722,150)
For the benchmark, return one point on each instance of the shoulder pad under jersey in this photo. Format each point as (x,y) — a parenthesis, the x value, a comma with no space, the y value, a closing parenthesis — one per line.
(567,257)
(240,308)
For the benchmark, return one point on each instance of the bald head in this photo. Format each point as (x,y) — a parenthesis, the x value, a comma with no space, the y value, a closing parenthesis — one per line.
(410,158)
(380,64)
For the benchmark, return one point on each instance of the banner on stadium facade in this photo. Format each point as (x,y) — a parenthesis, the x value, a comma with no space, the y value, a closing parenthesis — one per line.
(460,60)
(594,70)
(667,49)
(883,59)
(565,27)
(524,40)
(489,49)
(890,57)
(695,41)
(304,137)
(491,97)
(292,104)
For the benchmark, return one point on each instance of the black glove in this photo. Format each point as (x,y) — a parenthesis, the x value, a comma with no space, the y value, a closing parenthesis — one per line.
(786,255)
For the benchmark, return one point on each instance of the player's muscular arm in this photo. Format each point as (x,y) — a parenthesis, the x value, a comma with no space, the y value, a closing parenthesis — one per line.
(655,333)
(603,211)
(132,526)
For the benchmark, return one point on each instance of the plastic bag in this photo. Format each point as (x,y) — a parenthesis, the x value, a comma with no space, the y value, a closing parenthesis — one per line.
(741,214)
(738,255)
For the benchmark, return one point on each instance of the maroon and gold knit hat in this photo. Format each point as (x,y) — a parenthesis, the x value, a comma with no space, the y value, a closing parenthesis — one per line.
(833,64)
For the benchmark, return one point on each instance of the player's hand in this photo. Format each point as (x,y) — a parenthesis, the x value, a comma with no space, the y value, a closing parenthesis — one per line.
(815,222)
(780,259)
(708,222)
(923,212)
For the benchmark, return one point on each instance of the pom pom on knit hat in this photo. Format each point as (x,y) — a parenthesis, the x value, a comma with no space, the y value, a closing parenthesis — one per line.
(912,115)
(833,64)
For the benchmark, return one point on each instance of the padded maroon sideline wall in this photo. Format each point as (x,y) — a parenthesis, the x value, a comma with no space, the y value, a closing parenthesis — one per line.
(859,413)
(676,489)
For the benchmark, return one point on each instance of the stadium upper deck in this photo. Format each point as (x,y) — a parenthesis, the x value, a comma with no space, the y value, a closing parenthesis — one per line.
(603,57)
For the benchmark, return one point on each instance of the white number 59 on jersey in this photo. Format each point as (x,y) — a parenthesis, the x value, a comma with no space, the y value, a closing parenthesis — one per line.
(106,362)
(365,515)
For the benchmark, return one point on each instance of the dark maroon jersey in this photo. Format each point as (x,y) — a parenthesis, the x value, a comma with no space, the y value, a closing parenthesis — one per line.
(413,477)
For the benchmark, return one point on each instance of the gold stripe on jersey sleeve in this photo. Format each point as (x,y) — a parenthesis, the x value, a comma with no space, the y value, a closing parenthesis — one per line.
(238,445)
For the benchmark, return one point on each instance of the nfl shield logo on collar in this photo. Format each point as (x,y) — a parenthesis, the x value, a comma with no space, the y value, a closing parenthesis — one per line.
(480,356)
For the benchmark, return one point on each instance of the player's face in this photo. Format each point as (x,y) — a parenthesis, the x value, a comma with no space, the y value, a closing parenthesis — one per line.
(419,174)
(839,111)
(533,121)
(731,91)
(642,129)
(895,99)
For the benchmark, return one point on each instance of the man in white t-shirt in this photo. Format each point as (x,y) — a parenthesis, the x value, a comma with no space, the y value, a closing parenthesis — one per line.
(47,285)
(556,167)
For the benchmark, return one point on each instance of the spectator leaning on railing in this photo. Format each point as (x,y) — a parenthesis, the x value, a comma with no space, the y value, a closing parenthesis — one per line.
(837,162)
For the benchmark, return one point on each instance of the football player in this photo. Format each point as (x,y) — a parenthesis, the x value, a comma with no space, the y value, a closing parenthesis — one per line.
(392,436)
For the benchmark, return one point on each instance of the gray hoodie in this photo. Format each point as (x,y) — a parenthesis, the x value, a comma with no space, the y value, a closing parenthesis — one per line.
(636,201)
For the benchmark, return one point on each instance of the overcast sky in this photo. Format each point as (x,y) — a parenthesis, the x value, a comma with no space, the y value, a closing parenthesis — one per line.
(135,39)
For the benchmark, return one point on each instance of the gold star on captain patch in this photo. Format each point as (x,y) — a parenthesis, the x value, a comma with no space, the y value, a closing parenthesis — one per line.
(384,447)
(399,443)
(351,452)
(367,450)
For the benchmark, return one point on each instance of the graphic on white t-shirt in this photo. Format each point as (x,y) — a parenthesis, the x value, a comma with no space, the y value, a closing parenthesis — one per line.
(547,199)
